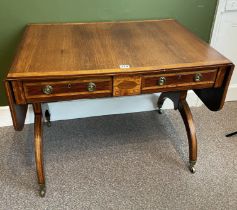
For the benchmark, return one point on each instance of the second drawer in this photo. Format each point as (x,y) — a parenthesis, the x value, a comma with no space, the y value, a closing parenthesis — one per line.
(185,80)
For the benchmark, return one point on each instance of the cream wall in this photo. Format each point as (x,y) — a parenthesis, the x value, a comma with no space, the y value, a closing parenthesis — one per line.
(224,38)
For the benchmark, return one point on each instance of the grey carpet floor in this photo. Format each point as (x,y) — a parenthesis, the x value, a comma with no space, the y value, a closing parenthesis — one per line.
(129,161)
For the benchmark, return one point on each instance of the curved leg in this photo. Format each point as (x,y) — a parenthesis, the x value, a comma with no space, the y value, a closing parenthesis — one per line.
(47,115)
(174,96)
(191,133)
(180,103)
(160,102)
(39,148)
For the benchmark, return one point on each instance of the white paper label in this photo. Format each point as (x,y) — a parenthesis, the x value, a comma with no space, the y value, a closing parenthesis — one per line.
(124,66)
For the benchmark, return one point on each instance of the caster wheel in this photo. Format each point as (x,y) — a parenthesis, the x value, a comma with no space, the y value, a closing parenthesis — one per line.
(160,111)
(192,169)
(42,191)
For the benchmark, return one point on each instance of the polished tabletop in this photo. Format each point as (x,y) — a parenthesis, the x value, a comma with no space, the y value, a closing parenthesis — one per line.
(107,47)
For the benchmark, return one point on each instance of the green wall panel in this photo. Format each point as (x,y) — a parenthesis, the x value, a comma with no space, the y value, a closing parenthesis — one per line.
(197,15)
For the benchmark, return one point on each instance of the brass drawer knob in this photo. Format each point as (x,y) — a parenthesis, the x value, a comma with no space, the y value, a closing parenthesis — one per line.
(197,77)
(162,81)
(91,87)
(48,89)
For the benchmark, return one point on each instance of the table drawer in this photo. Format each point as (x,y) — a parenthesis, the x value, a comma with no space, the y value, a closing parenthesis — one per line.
(67,89)
(186,80)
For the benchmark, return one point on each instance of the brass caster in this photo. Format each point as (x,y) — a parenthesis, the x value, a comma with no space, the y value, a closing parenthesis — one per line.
(160,111)
(42,191)
(191,166)
(192,169)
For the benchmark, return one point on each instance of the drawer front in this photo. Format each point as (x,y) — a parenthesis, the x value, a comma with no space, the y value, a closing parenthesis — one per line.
(67,89)
(186,80)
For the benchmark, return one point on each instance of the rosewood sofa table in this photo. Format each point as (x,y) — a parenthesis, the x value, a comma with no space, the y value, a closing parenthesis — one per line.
(56,62)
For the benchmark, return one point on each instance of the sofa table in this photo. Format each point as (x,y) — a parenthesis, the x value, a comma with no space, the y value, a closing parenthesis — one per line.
(67,61)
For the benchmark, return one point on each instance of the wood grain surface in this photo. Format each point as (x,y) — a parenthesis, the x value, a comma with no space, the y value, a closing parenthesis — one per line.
(18,112)
(100,48)
(127,85)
